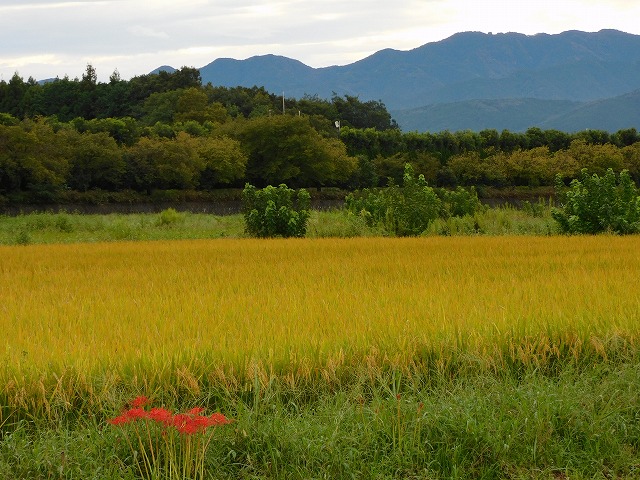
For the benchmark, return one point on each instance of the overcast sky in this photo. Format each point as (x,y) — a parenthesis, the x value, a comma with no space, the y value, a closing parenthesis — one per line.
(48,38)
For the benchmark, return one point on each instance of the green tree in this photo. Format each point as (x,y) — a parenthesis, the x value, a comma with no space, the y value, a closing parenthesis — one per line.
(161,107)
(193,104)
(162,163)
(12,94)
(223,161)
(624,138)
(403,211)
(287,149)
(95,161)
(59,99)
(631,156)
(596,158)
(177,164)
(33,159)
(355,113)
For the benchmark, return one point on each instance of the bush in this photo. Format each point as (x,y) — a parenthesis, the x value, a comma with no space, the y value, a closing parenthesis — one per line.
(402,211)
(412,207)
(408,210)
(275,211)
(594,204)
(168,217)
(458,202)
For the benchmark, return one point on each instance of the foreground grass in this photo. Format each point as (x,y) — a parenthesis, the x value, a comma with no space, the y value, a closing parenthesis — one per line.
(576,424)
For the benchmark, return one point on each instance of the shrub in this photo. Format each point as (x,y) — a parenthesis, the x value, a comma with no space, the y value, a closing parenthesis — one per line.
(168,217)
(412,207)
(408,210)
(402,211)
(458,202)
(275,211)
(594,204)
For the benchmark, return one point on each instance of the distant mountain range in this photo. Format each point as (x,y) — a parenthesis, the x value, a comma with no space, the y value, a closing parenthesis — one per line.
(518,114)
(569,81)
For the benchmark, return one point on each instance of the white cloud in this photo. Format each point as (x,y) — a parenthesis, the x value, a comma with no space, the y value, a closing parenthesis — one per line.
(45,38)
(47,5)
(141,31)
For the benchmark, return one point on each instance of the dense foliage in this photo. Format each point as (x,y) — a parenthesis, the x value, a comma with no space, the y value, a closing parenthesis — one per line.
(167,131)
(173,97)
(408,210)
(275,211)
(594,204)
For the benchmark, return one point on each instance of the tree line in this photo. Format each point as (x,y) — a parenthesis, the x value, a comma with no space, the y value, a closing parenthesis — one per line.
(167,131)
(168,97)
(465,158)
(41,158)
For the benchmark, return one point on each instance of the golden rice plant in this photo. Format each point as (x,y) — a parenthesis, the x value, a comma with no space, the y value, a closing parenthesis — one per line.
(83,320)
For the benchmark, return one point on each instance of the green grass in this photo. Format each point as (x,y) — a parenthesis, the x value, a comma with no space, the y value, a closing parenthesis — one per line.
(71,228)
(578,424)
(38,228)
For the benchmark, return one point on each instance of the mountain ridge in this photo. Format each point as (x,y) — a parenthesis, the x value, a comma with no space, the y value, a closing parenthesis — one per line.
(571,66)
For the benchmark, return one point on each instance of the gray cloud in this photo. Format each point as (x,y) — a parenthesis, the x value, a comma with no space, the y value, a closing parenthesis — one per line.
(45,38)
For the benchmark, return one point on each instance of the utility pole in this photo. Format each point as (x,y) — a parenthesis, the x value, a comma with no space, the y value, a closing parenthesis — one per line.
(283,103)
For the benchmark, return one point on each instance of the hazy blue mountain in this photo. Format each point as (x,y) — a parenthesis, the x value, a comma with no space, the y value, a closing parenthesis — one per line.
(516,114)
(164,68)
(558,70)
(611,114)
(277,74)
(569,66)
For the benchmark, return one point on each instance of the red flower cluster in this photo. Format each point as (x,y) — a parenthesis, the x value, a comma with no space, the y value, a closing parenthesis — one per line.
(187,423)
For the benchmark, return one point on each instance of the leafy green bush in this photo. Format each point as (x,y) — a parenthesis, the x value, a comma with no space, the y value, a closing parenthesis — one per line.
(413,206)
(408,210)
(594,204)
(275,211)
(168,217)
(458,202)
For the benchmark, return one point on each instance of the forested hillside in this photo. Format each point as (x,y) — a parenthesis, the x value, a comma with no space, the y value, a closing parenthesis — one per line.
(81,140)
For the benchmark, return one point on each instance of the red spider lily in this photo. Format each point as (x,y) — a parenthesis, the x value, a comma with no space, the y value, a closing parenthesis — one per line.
(137,413)
(217,419)
(190,427)
(140,401)
(179,420)
(188,424)
(160,415)
(181,453)
(120,420)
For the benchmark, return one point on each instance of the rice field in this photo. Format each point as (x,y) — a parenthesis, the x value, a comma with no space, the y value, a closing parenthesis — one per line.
(89,321)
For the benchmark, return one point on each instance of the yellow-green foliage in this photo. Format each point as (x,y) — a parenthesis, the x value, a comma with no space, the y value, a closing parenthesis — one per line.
(229,311)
